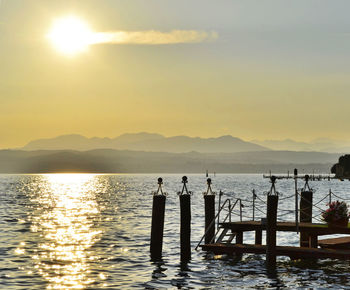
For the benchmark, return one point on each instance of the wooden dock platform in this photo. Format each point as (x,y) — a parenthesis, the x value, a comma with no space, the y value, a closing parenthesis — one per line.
(335,243)
(338,248)
(310,228)
(292,252)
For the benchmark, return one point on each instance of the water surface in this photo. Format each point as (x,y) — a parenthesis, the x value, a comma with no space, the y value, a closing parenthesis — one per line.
(82,231)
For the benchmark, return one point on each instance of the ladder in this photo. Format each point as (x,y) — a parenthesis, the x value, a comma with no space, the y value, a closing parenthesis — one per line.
(223,235)
(226,236)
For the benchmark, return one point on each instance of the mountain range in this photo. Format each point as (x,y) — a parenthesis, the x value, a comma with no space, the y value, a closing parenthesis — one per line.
(154,153)
(320,144)
(180,144)
(146,142)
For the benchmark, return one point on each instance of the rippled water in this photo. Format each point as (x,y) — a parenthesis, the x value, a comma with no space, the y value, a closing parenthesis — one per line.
(67,231)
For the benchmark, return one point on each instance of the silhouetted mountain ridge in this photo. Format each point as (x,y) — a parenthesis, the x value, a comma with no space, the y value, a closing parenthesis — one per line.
(146,142)
(319,144)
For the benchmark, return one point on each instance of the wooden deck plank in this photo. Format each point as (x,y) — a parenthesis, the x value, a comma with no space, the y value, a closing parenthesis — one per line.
(293,252)
(335,243)
(311,228)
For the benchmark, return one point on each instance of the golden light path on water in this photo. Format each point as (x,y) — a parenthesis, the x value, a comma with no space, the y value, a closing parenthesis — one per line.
(66,227)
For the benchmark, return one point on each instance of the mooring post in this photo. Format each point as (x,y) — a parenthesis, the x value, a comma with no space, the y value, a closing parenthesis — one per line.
(157,229)
(209,211)
(296,198)
(305,211)
(271,226)
(258,233)
(254,198)
(185,222)
(219,207)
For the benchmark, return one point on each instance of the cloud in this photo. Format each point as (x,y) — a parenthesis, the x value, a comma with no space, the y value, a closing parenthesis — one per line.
(153,37)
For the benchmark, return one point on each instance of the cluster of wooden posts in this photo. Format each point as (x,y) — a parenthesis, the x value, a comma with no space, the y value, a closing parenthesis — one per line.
(158,211)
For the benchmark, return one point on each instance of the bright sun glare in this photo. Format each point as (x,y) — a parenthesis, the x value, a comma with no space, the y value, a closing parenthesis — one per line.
(70,35)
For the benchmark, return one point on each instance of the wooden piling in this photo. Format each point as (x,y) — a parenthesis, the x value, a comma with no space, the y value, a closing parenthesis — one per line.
(313,241)
(258,237)
(296,198)
(185,226)
(239,240)
(209,208)
(305,215)
(157,229)
(271,226)
(239,237)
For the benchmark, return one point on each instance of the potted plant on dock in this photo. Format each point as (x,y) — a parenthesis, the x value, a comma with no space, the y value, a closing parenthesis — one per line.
(337,214)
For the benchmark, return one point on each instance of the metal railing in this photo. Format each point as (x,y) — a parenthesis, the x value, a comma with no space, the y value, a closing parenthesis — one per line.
(256,202)
(230,208)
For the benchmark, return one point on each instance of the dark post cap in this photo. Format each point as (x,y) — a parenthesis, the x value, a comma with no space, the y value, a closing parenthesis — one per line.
(184,179)
(209,181)
(160,180)
(273,179)
(295,172)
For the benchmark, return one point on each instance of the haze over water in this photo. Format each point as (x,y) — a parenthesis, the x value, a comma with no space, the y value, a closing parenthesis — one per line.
(82,231)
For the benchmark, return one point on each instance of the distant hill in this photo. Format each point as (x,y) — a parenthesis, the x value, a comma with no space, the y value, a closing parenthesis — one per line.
(287,144)
(147,142)
(126,161)
(320,145)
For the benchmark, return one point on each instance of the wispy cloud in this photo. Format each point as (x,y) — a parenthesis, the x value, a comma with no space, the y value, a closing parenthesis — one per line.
(153,37)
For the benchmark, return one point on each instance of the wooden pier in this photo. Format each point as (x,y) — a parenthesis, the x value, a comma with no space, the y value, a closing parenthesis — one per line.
(338,248)
(230,234)
(224,236)
(292,252)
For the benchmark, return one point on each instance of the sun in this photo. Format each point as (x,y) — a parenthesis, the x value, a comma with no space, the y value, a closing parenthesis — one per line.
(70,35)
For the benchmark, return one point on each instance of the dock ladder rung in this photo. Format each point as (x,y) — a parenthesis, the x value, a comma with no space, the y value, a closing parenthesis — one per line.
(231,237)
(222,235)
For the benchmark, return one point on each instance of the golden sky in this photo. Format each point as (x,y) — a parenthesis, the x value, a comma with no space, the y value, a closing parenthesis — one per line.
(252,69)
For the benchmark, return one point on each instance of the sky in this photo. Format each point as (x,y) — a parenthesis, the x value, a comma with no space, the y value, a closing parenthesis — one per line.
(254,69)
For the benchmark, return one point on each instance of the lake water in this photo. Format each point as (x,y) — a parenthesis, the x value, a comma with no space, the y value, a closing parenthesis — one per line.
(82,231)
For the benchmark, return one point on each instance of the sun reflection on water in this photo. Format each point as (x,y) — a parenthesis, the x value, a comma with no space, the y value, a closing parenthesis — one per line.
(66,224)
